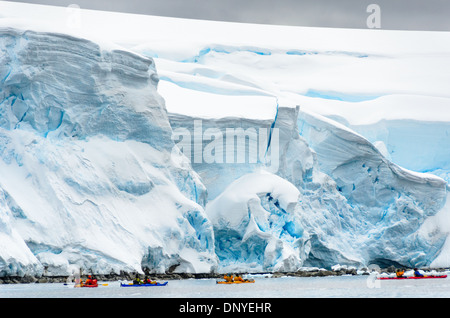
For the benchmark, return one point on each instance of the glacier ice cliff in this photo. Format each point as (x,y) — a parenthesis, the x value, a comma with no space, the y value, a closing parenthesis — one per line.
(86,177)
(388,204)
(98,172)
(353,206)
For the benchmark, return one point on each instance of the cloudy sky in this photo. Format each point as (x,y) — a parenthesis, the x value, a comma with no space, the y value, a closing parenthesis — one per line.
(427,15)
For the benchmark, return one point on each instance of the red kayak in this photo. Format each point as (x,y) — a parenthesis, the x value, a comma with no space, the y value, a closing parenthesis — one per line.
(413,277)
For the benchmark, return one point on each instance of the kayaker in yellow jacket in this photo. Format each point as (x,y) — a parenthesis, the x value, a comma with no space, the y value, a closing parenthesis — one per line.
(228,278)
(137,281)
(238,279)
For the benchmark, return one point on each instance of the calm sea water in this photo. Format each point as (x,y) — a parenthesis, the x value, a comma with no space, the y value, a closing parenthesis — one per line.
(284,287)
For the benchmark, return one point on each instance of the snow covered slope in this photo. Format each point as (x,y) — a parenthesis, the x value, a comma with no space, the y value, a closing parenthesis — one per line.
(373,117)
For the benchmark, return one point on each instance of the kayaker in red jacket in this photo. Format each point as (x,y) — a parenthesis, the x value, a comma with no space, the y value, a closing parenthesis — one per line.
(147,280)
(90,281)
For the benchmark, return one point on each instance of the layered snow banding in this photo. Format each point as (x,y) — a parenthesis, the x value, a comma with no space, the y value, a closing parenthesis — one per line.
(86,180)
(175,145)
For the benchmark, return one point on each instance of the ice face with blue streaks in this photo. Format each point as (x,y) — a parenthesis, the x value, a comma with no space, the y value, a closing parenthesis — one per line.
(92,176)
(88,177)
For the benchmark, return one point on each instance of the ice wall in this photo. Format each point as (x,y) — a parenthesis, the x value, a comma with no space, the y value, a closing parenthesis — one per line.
(96,111)
(223,149)
(402,138)
(257,226)
(88,173)
(389,203)
(353,206)
(256,231)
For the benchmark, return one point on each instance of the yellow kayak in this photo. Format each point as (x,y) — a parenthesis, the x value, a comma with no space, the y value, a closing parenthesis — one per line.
(236,282)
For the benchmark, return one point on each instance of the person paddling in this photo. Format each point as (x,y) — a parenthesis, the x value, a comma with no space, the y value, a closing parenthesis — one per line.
(89,281)
(229,278)
(417,273)
(400,273)
(238,279)
(147,280)
(94,280)
(137,281)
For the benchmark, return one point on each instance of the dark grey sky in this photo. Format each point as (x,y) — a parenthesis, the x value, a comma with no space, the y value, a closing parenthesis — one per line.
(427,15)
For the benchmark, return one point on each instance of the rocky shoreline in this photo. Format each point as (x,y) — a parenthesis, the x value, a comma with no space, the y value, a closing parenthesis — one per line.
(313,272)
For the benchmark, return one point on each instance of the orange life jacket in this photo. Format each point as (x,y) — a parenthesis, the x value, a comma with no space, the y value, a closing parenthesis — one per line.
(400,274)
(228,278)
